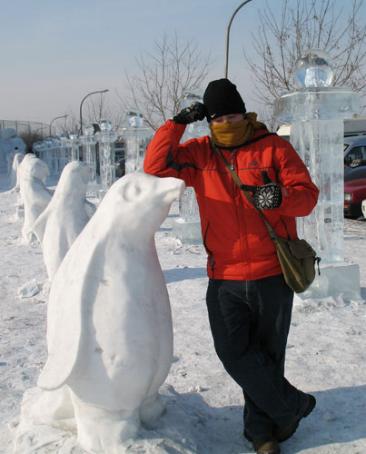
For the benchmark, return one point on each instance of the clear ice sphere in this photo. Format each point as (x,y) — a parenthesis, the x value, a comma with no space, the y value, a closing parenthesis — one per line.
(314,70)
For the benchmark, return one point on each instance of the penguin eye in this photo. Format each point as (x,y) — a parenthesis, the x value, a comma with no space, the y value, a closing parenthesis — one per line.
(131,191)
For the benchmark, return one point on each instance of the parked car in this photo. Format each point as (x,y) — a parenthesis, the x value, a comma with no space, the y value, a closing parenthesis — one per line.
(363,208)
(354,152)
(354,191)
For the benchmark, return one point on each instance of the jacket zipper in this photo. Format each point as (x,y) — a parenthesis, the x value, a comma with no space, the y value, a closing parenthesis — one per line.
(233,156)
(234,166)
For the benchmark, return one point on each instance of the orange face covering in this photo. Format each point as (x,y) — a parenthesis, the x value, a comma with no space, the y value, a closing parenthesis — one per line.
(227,134)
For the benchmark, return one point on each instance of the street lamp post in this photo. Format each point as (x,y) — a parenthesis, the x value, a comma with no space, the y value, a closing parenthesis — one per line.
(228,36)
(81,106)
(53,119)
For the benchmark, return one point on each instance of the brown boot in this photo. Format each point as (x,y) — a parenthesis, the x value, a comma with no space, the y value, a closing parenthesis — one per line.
(266,447)
(284,433)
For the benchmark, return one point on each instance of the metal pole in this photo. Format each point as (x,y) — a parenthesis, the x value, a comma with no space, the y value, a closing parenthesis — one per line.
(81,107)
(53,119)
(228,36)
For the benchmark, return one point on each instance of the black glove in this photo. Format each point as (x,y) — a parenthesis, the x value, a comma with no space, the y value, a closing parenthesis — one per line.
(195,112)
(269,195)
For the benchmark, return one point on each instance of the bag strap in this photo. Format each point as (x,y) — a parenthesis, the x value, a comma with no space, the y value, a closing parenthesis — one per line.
(245,189)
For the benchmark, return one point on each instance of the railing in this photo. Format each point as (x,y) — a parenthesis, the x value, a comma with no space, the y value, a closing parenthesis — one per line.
(22,127)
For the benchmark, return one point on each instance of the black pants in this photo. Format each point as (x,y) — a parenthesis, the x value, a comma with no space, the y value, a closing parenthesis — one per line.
(250,321)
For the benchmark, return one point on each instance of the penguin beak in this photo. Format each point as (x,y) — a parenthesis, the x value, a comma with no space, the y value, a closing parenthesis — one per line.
(174,190)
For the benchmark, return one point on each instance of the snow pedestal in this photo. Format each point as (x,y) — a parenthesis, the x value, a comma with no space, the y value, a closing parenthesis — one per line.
(316,114)
(187,227)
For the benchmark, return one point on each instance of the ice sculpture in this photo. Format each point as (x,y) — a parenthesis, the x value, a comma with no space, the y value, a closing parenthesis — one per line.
(88,142)
(52,151)
(109,327)
(187,227)
(106,138)
(33,173)
(10,144)
(136,137)
(316,112)
(65,216)
(75,147)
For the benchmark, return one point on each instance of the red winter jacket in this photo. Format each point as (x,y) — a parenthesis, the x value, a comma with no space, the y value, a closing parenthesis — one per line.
(235,238)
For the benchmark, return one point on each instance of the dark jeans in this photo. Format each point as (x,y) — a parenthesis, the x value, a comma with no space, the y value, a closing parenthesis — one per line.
(250,321)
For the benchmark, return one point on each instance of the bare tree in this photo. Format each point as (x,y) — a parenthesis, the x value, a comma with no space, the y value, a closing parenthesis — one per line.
(104,108)
(166,75)
(70,124)
(31,137)
(301,25)
(97,108)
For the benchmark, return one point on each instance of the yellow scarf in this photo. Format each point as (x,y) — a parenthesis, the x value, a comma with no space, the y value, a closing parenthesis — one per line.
(229,135)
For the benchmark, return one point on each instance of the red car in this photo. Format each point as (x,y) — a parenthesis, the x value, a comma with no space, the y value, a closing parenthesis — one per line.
(354,191)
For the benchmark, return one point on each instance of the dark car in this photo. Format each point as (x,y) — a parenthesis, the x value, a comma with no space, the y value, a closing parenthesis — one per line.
(354,174)
(354,152)
(354,191)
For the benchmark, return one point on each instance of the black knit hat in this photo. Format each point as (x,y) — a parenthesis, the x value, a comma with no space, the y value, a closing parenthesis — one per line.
(222,98)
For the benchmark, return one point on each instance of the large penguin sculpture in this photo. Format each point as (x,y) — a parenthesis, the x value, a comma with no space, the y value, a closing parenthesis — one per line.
(109,328)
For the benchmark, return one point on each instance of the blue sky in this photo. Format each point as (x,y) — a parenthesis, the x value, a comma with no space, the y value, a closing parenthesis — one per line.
(54,52)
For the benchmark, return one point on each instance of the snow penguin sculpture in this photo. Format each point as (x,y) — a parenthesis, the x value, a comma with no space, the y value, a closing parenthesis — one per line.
(109,328)
(65,216)
(35,196)
(14,174)
(15,186)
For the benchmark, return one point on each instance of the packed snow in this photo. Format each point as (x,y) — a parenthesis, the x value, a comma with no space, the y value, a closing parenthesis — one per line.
(326,356)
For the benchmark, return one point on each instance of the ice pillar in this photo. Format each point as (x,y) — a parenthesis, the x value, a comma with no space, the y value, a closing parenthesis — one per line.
(316,113)
(88,142)
(187,227)
(136,137)
(106,138)
(74,145)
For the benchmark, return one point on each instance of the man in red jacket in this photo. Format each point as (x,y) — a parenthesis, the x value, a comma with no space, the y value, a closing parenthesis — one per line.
(248,301)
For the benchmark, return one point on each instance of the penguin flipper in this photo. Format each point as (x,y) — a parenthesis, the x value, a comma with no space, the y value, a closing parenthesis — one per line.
(39,226)
(65,317)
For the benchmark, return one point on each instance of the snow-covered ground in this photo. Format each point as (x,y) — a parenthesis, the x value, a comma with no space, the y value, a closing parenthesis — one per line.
(326,356)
